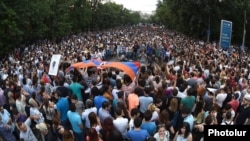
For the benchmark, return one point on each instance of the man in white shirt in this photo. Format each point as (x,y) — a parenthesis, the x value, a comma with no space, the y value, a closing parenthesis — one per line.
(85,114)
(117,89)
(121,123)
(182,91)
(134,113)
(220,97)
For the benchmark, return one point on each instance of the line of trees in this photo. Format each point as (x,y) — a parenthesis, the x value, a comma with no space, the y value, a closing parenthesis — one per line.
(23,21)
(192,17)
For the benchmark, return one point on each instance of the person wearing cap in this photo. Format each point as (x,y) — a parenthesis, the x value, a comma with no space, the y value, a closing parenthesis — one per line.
(5,131)
(243,115)
(47,134)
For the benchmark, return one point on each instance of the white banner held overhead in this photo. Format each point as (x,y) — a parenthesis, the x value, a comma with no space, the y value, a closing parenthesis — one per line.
(54,64)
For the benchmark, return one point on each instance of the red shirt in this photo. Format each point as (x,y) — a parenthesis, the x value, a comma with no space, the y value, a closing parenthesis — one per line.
(234,104)
(45,79)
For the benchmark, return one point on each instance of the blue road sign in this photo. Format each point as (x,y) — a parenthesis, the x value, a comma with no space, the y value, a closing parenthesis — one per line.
(225,34)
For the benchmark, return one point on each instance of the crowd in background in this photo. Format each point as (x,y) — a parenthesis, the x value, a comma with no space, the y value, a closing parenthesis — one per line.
(183,84)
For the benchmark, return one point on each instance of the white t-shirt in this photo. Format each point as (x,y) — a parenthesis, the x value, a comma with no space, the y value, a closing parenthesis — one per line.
(227,123)
(220,98)
(85,115)
(131,124)
(121,124)
(181,94)
(35,112)
(155,116)
(20,104)
(114,93)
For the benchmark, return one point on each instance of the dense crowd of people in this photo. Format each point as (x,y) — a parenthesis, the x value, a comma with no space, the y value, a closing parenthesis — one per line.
(183,84)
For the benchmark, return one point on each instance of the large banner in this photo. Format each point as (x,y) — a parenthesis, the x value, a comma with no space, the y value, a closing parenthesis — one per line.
(54,64)
(130,68)
(225,34)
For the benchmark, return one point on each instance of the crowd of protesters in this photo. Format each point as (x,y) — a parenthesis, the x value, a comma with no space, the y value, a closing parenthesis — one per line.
(183,84)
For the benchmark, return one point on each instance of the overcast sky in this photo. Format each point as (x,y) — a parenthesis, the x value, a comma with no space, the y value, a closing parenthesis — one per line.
(145,6)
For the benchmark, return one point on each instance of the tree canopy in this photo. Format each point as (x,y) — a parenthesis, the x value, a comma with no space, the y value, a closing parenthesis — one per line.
(26,21)
(193,17)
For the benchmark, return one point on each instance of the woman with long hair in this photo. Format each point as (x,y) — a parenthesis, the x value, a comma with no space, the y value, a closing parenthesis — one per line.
(184,133)
(92,135)
(173,111)
(125,112)
(48,110)
(199,112)
(128,85)
(57,128)
(68,135)
(164,120)
(94,122)
(108,131)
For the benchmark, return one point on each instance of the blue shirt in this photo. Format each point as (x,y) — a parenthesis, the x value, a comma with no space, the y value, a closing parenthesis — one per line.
(103,114)
(62,106)
(112,82)
(190,119)
(98,100)
(76,89)
(144,102)
(138,135)
(75,121)
(5,116)
(150,127)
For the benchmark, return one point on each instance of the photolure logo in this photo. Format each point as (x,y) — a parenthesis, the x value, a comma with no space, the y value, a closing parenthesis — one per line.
(226,131)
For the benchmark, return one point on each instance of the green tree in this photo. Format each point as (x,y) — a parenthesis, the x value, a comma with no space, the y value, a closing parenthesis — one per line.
(194,17)
(10,34)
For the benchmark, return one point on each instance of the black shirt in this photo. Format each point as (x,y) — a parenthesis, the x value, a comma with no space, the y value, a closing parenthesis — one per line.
(244,113)
(50,136)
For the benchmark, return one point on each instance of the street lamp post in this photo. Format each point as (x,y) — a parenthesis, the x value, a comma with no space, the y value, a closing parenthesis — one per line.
(244,31)
(243,37)
(208,30)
